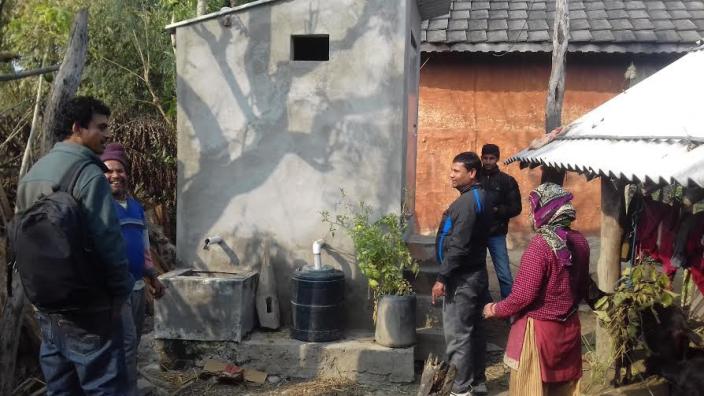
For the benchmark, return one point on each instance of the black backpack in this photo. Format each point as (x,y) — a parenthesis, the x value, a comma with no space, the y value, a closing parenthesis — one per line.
(51,250)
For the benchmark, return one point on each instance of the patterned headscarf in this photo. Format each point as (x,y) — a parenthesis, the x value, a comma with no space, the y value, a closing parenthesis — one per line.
(552,213)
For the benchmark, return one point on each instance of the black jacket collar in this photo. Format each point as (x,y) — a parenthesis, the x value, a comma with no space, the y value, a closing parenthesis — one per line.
(464,189)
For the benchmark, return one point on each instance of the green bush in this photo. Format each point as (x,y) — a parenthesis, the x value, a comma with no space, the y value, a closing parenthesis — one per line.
(380,249)
(640,288)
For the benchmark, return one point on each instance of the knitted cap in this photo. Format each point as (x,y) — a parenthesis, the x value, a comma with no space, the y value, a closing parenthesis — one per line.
(115,152)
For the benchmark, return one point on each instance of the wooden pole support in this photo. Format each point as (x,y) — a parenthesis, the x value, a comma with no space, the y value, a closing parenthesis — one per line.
(556,85)
(67,79)
(609,264)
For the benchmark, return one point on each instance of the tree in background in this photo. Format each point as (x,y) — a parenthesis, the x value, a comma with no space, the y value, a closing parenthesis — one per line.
(131,66)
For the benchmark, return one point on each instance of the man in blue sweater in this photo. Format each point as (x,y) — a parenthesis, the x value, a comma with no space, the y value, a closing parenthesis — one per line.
(133,223)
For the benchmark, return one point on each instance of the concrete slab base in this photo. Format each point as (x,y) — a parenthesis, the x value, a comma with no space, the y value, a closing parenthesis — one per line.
(357,357)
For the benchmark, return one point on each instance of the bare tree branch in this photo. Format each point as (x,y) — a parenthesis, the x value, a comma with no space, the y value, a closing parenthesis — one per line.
(33,130)
(64,88)
(146,66)
(21,124)
(132,72)
(6,56)
(29,73)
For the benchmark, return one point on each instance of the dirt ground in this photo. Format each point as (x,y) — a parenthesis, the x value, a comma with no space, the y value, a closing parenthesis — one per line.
(187,383)
(156,381)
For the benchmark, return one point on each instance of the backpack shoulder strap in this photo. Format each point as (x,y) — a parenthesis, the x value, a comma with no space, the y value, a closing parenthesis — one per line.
(69,180)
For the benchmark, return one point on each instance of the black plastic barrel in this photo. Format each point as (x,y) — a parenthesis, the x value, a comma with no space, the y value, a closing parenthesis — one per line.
(317,298)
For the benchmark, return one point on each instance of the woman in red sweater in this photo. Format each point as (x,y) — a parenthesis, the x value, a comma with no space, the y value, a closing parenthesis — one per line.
(544,346)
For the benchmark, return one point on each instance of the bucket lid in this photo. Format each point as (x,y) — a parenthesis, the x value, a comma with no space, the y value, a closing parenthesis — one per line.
(325,273)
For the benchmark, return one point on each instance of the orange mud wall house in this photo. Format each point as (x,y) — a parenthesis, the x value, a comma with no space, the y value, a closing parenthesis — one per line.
(486,66)
(469,99)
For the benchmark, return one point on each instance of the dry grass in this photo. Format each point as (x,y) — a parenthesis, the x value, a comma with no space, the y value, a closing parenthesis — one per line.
(327,386)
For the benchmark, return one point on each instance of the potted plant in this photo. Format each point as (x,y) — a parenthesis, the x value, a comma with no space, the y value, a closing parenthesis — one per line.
(382,256)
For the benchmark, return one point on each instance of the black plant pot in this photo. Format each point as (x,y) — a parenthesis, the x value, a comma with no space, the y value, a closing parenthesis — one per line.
(396,321)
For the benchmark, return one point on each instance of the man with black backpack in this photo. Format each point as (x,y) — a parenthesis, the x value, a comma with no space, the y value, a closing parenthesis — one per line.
(71,257)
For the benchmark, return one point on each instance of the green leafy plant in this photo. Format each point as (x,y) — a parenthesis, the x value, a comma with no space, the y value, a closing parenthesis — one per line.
(640,288)
(380,250)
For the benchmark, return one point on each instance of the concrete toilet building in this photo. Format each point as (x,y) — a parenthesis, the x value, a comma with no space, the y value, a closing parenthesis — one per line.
(281,103)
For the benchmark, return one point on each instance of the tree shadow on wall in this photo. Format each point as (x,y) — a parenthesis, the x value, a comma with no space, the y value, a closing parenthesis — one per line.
(338,124)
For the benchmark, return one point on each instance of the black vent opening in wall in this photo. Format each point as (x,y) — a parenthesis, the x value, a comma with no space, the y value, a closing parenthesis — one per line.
(314,47)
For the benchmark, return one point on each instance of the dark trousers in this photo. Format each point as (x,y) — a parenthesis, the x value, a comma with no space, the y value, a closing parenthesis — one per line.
(465,297)
(83,355)
(133,322)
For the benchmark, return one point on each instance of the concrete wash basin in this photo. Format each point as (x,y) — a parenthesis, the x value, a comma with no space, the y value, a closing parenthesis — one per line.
(206,305)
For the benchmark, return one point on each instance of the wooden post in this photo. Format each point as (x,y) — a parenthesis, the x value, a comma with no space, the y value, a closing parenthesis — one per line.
(67,79)
(65,86)
(609,264)
(556,85)
(437,377)
(201,7)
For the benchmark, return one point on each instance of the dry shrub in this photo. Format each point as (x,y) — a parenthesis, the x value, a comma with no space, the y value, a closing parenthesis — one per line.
(14,131)
(151,147)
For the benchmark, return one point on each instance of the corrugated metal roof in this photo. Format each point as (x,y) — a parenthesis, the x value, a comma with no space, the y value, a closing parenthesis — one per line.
(612,26)
(652,132)
(658,162)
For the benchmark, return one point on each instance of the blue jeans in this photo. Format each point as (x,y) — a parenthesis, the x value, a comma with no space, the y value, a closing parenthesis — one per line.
(82,354)
(499,256)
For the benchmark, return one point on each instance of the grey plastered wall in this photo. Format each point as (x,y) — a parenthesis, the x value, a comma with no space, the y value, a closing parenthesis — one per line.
(265,143)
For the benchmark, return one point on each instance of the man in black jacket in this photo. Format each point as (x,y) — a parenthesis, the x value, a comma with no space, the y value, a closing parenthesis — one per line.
(503,191)
(461,251)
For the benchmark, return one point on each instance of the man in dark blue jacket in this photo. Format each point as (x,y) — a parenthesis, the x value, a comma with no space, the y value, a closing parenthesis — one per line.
(461,244)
